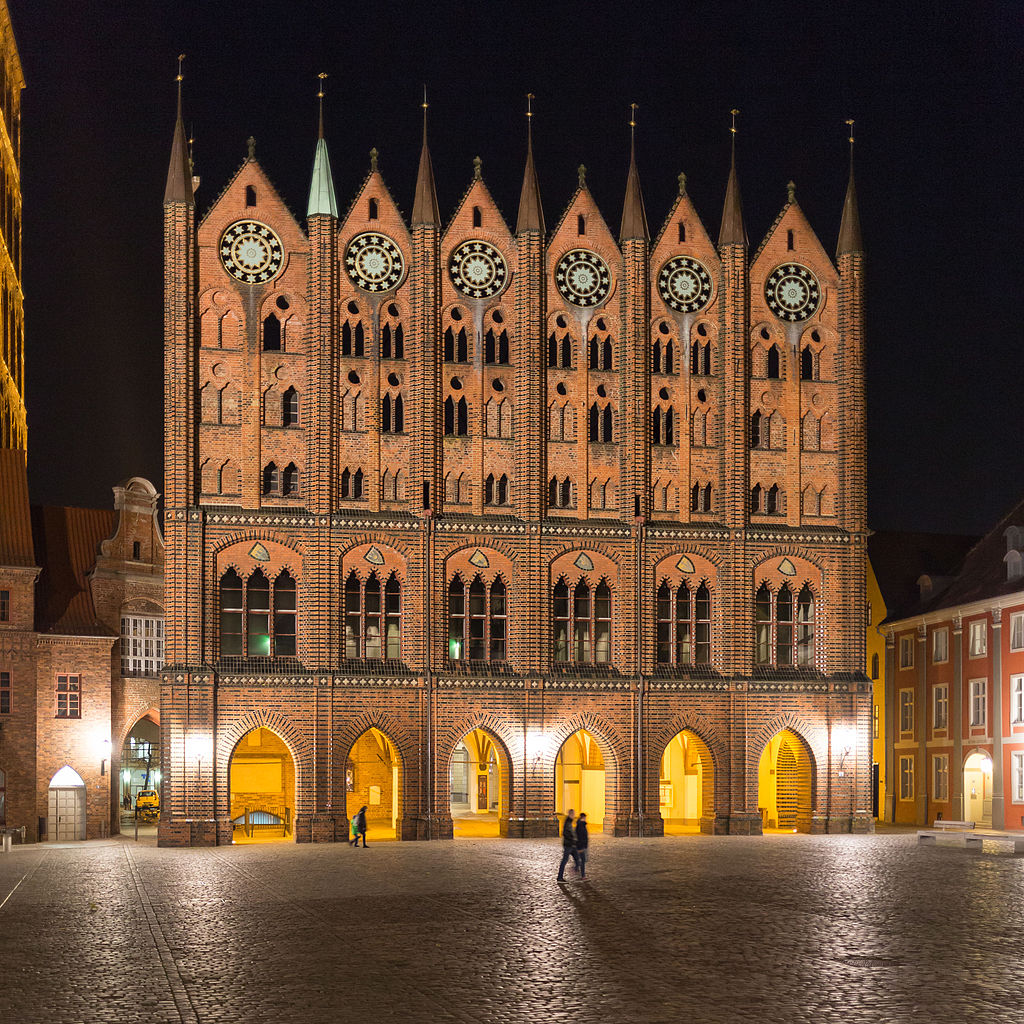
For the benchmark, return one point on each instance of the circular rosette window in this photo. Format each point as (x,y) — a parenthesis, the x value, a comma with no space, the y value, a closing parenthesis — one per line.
(374,263)
(478,270)
(582,278)
(251,252)
(792,293)
(685,284)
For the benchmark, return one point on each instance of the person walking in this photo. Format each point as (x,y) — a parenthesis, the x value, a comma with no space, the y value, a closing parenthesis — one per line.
(359,826)
(582,842)
(568,845)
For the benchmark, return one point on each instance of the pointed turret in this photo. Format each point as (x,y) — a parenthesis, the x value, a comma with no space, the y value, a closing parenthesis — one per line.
(634,217)
(531,213)
(321,188)
(179,171)
(849,228)
(424,206)
(733,232)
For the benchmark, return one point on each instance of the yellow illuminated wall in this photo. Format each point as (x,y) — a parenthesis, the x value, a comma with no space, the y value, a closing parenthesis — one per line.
(262,775)
(876,673)
(579,778)
(784,792)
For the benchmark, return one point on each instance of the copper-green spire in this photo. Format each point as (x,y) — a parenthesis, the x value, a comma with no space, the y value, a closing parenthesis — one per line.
(849,228)
(531,213)
(321,188)
(424,206)
(634,217)
(733,232)
(179,172)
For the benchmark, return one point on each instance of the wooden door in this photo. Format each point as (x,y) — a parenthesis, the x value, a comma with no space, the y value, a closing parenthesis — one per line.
(481,793)
(67,814)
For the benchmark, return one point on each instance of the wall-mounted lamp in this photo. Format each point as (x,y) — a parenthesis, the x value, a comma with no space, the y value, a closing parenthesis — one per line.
(842,744)
(105,745)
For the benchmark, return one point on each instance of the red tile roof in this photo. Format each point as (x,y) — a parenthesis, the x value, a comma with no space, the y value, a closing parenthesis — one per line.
(15,519)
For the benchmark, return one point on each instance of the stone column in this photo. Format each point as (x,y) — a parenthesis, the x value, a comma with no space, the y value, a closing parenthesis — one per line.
(998,804)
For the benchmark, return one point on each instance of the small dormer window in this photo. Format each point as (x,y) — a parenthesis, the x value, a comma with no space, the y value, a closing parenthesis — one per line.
(1013,538)
(581,224)
(1014,565)
(250,195)
(373,209)
(477,218)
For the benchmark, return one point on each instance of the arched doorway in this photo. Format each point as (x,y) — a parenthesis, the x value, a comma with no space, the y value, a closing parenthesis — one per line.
(261,780)
(580,778)
(373,778)
(686,787)
(66,806)
(978,788)
(479,786)
(785,784)
(140,762)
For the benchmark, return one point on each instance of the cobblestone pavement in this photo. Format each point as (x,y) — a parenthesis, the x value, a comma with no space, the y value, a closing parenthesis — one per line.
(773,929)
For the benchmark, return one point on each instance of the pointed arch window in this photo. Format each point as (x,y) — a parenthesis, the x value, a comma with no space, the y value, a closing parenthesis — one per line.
(373,617)
(582,623)
(684,624)
(784,627)
(700,359)
(392,414)
(285,611)
(560,493)
(271,334)
(271,479)
(258,616)
(456,346)
(231,612)
(669,357)
(290,408)
(290,480)
(477,620)
(656,358)
(757,434)
(807,363)
(773,360)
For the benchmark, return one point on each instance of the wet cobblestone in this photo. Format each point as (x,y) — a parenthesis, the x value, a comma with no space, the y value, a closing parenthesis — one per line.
(713,929)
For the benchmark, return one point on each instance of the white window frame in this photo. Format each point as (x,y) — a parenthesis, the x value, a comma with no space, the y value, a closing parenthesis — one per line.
(1017,700)
(1017,777)
(1017,631)
(906,778)
(979,703)
(906,652)
(944,634)
(940,703)
(978,639)
(142,644)
(906,699)
(940,777)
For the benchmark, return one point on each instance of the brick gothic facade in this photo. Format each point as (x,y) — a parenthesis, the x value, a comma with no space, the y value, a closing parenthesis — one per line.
(362,416)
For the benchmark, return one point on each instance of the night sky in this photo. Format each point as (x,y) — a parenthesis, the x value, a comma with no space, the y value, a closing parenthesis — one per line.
(934,88)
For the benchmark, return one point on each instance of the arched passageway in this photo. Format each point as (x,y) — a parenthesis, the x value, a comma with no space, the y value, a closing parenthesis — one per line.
(262,788)
(580,779)
(140,762)
(479,783)
(978,788)
(373,776)
(785,784)
(66,807)
(686,789)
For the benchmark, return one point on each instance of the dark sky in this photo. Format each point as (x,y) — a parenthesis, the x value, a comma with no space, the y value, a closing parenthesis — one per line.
(935,90)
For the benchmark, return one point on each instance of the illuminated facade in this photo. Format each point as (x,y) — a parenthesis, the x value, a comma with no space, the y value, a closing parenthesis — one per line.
(480,521)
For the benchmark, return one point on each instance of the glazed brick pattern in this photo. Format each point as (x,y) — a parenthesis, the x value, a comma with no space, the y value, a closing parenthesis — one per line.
(320,704)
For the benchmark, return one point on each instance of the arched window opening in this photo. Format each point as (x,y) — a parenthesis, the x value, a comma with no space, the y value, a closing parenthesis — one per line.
(582,623)
(449,417)
(290,480)
(772,371)
(669,347)
(581,224)
(285,610)
(357,484)
(477,219)
(807,363)
(755,430)
(449,345)
(684,625)
(606,425)
(552,350)
(490,346)
(656,425)
(771,504)
(784,633)
(789,239)
(669,425)
(257,615)
(290,408)
(682,232)
(503,348)
(385,342)
(373,210)
(656,358)
(271,481)
(385,414)
(399,346)
(250,196)
(489,490)
(566,352)
(461,346)
(398,415)
(805,628)
(359,339)
(373,617)
(271,334)
(346,339)
(477,623)
(346,483)
(763,625)
(592,347)
(461,418)
(231,612)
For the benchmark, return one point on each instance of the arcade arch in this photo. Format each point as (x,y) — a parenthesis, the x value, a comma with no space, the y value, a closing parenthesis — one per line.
(580,778)
(479,786)
(373,779)
(978,788)
(261,782)
(686,789)
(785,784)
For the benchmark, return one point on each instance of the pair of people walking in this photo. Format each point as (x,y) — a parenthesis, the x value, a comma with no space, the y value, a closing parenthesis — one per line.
(575,843)
(358,827)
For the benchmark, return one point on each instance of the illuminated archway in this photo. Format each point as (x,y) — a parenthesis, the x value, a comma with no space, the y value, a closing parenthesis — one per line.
(478,777)
(373,777)
(66,806)
(261,780)
(580,778)
(785,784)
(140,761)
(978,788)
(686,789)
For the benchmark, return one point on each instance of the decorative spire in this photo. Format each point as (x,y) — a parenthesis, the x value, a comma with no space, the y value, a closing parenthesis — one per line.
(477,168)
(179,172)
(424,206)
(849,228)
(682,183)
(373,159)
(250,144)
(733,231)
(581,175)
(321,188)
(531,213)
(790,191)
(634,217)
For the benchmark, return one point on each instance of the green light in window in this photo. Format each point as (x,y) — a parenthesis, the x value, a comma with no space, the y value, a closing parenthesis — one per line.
(259,645)
(454,648)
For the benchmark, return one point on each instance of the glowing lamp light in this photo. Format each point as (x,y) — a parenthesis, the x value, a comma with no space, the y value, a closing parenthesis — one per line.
(198,747)
(986,764)
(843,738)
(156,777)
(126,775)
(536,744)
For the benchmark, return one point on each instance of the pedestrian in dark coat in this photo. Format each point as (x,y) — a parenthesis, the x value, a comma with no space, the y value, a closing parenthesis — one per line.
(568,845)
(582,842)
(359,826)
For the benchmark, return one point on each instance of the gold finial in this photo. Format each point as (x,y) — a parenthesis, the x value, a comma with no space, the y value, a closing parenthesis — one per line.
(424,105)
(477,164)
(849,124)
(529,104)
(251,143)
(633,108)
(734,112)
(682,183)
(581,171)
(791,191)
(373,159)
(181,57)
(320,97)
